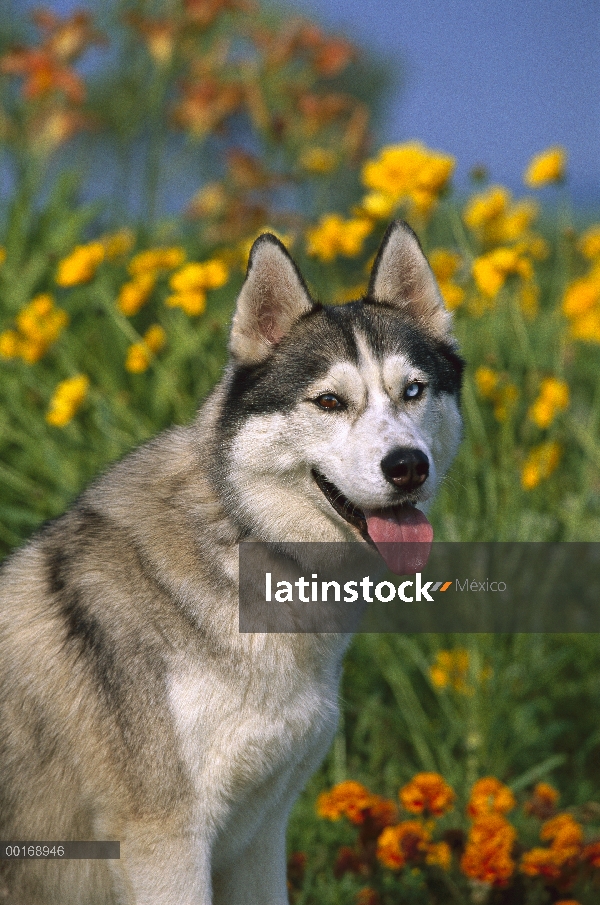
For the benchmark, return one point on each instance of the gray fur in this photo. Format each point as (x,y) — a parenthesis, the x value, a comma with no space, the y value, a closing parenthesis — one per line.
(131,708)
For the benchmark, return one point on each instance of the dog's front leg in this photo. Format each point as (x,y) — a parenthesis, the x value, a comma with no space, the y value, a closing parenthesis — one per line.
(163,870)
(258,875)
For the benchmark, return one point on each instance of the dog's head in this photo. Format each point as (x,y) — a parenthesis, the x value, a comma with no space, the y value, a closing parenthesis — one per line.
(337,422)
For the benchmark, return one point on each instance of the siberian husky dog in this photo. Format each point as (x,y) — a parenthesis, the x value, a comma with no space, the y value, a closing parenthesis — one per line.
(131,706)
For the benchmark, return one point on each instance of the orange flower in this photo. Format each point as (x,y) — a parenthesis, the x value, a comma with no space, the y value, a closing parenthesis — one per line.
(490,796)
(563,831)
(367,896)
(487,856)
(542,802)
(66,39)
(349,799)
(397,845)
(440,855)
(42,74)
(543,862)
(348,861)
(591,854)
(158,34)
(566,837)
(204,105)
(352,800)
(429,793)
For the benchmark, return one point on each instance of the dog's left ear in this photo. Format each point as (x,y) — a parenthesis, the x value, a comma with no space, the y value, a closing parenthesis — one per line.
(401,277)
(274,296)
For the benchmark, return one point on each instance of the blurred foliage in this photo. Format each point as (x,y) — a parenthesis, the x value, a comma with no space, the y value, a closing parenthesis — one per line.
(113,324)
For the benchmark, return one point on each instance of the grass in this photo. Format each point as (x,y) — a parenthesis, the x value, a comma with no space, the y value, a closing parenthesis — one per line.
(521,707)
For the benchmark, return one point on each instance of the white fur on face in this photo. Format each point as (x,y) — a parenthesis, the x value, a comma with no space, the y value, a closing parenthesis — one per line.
(273,455)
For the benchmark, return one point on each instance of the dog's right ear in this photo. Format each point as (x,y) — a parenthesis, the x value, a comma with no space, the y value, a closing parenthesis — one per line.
(274,296)
(402,278)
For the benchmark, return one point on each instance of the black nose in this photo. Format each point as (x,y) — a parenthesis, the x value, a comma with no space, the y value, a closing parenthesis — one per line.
(406,468)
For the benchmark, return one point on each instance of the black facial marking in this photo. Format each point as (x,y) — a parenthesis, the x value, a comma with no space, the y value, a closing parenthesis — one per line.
(325,336)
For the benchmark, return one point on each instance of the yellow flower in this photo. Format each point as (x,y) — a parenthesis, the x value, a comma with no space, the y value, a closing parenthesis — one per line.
(535,246)
(10,344)
(209,201)
(318,160)
(589,243)
(540,463)
(582,295)
(81,265)
(529,299)
(39,325)
(196,277)
(548,166)
(2,255)
(134,294)
(378,205)
(140,354)
(192,302)
(553,398)
(486,381)
(518,219)
(492,269)
(505,400)
(486,208)
(138,358)
(334,236)
(156,259)
(409,173)
(586,327)
(241,254)
(496,219)
(155,338)
(445,264)
(191,283)
(450,669)
(67,399)
(118,244)
(350,293)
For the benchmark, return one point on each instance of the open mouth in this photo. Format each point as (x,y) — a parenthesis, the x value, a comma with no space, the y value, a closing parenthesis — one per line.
(401,533)
(342,504)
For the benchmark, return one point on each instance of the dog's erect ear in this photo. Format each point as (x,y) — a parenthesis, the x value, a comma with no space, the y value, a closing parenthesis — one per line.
(401,277)
(274,296)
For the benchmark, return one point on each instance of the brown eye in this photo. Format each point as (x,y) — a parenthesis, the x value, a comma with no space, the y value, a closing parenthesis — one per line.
(329,401)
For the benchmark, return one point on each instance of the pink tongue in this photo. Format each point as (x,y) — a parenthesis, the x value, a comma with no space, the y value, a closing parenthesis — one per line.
(403,537)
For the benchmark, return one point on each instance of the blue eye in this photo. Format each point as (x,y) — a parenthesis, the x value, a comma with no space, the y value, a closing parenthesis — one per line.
(414,390)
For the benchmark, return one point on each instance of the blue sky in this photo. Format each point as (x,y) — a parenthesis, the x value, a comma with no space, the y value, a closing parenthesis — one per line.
(490,82)
(487,81)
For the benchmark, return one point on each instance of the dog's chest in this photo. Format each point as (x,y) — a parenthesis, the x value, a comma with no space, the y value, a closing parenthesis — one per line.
(242,739)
